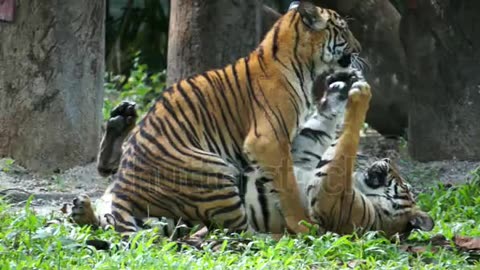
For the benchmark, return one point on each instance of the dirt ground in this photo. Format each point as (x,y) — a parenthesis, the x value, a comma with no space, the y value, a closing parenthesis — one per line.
(52,191)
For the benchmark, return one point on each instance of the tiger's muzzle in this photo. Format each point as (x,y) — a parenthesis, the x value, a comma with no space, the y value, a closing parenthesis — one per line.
(354,47)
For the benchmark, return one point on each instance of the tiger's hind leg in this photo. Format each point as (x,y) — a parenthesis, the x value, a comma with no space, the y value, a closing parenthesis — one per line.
(202,189)
(225,211)
(84,214)
(118,127)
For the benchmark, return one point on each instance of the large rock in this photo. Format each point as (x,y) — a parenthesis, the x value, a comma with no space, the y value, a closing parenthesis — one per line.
(442,41)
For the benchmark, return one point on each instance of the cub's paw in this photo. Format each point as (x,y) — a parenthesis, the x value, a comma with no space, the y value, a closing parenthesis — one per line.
(341,82)
(82,211)
(122,117)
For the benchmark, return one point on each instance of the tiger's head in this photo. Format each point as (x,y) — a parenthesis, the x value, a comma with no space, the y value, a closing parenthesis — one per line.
(393,200)
(311,36)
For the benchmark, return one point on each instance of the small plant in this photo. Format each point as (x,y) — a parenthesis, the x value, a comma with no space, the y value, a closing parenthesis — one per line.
(6,164)
(403,143)
(59,182)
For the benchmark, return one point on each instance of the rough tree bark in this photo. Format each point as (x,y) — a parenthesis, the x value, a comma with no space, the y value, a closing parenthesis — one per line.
(51,83)
(442,41)
(375,23)
(206,34)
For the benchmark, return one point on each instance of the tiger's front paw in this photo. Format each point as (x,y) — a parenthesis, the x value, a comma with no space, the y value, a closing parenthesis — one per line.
(82,211)
(294,225)
(360,93)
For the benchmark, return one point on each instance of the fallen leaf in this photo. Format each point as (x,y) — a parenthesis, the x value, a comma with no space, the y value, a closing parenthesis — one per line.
(439,240)
(64,208)
(448,185)
(355,263)
(418,249)
(467,243)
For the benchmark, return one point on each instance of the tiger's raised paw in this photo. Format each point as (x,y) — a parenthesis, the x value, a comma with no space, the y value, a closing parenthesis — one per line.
(360,93)
(82,211)
(125,109)
(122,121)
(122,118)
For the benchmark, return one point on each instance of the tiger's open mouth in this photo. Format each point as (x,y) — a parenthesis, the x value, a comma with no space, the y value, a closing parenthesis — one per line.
(345,61)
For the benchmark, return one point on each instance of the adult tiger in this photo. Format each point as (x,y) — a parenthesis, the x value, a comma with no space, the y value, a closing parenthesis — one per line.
(381,188)
(182,160)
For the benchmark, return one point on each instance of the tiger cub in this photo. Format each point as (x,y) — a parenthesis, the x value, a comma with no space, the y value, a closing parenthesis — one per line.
(375,198)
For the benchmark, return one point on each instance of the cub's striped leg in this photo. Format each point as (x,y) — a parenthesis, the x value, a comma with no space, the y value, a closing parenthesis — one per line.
(334,203)
(340,169)
(319,131)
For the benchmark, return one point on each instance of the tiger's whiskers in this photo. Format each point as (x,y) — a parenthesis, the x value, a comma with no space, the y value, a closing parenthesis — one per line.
(360,63)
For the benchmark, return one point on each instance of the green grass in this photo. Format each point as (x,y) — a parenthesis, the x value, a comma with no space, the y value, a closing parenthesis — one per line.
(26,243)
(6,164)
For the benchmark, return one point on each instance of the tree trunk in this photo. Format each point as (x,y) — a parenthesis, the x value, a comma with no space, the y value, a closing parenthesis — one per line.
(206,34)
(51,83)
(375,23)
(442,41)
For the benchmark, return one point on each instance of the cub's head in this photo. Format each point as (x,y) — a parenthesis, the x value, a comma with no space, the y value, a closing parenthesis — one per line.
(311,36)
(393,200)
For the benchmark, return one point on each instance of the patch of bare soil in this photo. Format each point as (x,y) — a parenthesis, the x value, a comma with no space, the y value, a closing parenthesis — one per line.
(52,191)
(421,175)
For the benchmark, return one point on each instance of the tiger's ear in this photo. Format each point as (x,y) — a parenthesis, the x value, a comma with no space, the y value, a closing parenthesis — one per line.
(422,221)
(312,16)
